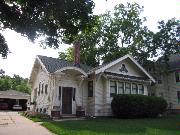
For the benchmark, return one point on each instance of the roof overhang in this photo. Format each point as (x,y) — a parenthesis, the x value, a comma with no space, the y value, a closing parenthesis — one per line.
(72,68)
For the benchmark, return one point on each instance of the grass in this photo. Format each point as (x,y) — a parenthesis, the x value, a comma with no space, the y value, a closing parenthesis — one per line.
(108,126)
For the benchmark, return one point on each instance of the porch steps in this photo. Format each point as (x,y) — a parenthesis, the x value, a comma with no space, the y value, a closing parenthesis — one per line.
(68,116)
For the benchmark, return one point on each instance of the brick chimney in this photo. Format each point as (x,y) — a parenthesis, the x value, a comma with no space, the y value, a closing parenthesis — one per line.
(77,53)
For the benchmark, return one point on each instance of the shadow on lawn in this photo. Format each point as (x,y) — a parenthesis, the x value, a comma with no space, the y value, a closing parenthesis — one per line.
(102,126)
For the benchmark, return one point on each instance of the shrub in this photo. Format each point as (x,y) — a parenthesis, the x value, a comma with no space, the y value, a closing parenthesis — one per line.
(31,114)
(137,106)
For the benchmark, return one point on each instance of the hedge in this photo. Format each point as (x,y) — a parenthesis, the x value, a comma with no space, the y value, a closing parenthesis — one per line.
(137,106)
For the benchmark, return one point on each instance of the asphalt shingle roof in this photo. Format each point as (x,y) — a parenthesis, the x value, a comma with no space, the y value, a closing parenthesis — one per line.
(54,64)
(13,93)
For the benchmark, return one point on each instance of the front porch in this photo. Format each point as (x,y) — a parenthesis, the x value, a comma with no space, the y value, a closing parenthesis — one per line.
(69,98)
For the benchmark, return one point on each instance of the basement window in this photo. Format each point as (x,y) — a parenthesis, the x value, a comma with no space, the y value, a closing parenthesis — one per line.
(90,88)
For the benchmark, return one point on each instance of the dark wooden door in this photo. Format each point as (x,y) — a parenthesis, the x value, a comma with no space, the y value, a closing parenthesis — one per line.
(67,100)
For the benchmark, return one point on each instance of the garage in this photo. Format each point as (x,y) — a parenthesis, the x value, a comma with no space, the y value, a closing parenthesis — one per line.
(13,100)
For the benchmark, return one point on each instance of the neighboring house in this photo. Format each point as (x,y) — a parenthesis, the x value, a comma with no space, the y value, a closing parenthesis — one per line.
(168,83)
(65,87)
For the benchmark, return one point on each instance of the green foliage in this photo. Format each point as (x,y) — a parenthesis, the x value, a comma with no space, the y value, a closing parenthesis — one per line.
(16,83)
(67,55)
(5,83)
(108,126)
(57,20)
(4,50)
(137,106)
(122,32)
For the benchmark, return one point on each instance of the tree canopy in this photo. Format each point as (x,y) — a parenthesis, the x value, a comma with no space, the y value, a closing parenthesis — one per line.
(56,20)
(15,83)
(123,31)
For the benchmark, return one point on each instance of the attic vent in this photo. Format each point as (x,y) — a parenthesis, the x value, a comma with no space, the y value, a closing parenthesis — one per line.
(123,69)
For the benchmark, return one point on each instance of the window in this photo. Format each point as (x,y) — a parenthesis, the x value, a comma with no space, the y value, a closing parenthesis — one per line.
(40,110)
(141,89)
(90,88)
(39,88)
(59,97)
(134,89)
(120,87)
(74,94)
(44,110)
(113,88)
(177,76)
(46,87)
(178,96)
(127,88)
(42,88)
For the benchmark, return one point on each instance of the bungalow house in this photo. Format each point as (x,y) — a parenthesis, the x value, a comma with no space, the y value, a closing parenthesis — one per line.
(61,87)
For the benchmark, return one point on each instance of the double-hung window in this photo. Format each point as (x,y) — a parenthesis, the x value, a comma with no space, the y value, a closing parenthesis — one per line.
(90,88)
(134,89)
(127,88)
(141,89)
(113,88)
(120,87)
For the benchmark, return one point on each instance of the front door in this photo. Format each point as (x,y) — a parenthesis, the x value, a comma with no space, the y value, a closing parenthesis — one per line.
(67,100)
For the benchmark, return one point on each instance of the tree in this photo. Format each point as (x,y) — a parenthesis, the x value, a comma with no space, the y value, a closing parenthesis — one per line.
(123,32)
(16,83)
(166,40)
(116,34)
(57,20)
(2,72)
(5,83)
(67,55)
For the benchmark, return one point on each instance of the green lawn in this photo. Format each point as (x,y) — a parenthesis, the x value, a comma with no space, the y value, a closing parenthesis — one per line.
(107,126)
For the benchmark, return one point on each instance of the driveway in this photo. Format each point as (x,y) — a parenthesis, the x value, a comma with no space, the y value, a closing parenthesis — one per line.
(11,123)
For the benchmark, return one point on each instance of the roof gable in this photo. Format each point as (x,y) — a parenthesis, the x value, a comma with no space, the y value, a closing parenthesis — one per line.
(103,68)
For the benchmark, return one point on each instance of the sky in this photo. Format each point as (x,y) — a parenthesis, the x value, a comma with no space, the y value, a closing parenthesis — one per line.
(23,52)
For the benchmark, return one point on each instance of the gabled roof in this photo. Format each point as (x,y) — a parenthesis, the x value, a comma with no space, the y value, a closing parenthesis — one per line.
(106,66)
(54,64)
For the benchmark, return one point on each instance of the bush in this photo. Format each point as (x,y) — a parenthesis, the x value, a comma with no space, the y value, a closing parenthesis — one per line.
(31,114)
(137,106)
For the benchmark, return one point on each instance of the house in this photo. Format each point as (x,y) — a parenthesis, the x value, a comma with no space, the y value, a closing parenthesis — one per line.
(168,83)
(61,87)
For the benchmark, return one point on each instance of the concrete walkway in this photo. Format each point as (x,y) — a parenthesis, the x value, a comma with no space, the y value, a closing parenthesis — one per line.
(11,123)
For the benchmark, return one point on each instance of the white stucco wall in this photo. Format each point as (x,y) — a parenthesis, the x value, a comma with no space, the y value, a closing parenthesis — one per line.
(42,100)
(168,90)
